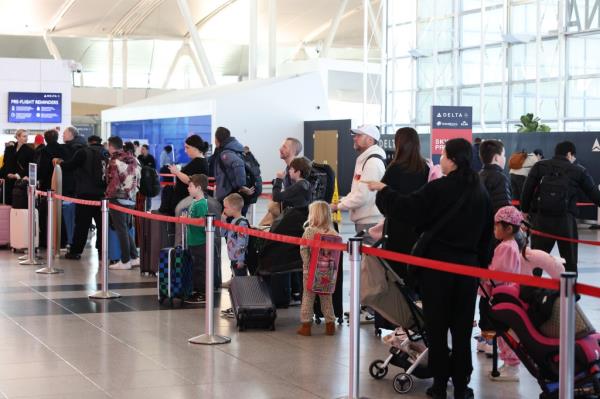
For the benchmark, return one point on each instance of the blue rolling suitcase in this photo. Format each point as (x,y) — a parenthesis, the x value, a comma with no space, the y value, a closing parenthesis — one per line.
(175,273)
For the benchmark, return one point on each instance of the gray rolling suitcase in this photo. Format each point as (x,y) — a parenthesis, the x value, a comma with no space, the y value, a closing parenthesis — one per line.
(252,303)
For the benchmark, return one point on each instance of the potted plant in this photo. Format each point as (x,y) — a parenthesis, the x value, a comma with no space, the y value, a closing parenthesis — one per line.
(531,124)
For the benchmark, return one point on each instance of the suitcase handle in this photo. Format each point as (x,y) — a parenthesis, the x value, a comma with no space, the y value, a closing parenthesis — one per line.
(184,231)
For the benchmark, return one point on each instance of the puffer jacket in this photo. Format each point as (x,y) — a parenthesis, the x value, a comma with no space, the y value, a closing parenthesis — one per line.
(123,176)
(229,169)
(497,185)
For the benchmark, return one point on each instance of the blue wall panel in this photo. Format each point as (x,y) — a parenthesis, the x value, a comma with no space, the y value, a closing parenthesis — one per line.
(160,132)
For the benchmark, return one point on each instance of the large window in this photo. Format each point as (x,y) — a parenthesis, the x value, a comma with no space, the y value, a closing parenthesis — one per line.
(504,58)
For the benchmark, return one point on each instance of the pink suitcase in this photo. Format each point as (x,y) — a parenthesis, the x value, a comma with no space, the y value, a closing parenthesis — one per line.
(4,222)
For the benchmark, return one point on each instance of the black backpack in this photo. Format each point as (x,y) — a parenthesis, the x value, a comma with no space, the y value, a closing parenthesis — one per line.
(253,178)
(382,159)
(322,182)
(96,165)
(553,193)
(149,182)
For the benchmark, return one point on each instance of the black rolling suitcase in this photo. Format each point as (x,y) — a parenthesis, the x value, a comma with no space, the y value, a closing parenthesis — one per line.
(251,303)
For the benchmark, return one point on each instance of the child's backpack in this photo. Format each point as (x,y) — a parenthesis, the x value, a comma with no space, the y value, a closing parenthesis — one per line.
(323,267)
(149,182)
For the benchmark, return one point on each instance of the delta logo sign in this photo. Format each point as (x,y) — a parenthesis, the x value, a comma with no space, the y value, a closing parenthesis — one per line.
(449,123)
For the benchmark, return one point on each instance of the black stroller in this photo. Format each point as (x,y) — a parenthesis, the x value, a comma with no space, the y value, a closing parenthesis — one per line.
(396,302)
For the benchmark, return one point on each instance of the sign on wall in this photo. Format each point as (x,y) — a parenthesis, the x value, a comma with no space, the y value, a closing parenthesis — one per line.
(34,107)
(448,122)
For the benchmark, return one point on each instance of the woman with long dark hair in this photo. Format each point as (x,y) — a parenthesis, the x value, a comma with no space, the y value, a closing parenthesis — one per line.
(407,172)
(457,212)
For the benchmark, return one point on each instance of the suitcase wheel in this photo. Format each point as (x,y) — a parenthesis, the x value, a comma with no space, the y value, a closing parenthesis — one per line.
(161,299)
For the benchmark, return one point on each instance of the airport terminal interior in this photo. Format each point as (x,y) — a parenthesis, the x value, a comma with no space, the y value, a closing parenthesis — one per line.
(333,80)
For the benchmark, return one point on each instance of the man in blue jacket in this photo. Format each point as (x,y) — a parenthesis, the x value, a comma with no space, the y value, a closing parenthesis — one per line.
(229,169)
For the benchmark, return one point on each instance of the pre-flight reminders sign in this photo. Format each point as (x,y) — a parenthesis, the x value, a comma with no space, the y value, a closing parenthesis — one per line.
(447,123)
(34,107)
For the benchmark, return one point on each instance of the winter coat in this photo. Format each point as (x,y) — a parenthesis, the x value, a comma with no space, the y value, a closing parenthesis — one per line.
(229,168)
(123,176)
(497,184)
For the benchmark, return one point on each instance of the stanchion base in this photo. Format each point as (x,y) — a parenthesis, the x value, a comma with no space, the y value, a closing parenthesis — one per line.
(349,397)
(49,270)
(31,262)
(207,339)
(104,295)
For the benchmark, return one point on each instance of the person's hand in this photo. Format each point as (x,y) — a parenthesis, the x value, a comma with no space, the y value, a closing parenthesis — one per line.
(334,207)
(11,176)
(173,169)
(56,161)
(280,175)
(239,265)
(374,185)
(1,181)
(26,178)
(525,216)
(247,191)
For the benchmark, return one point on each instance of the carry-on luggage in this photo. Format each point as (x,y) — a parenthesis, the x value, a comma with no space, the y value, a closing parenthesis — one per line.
(4,220)
(19,229)
(19,195)
(251,302)
(175,273)
(154,236)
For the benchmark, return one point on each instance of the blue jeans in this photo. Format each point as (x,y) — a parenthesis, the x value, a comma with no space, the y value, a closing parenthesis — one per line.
(68,213)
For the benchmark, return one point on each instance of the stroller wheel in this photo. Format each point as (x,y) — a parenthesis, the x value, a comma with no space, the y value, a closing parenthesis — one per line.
(377,371)
(403,383)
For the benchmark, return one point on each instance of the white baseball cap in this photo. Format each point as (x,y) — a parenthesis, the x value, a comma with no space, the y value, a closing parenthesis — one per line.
(369,130)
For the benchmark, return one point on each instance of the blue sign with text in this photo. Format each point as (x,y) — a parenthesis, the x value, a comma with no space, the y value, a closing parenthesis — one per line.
(34,107)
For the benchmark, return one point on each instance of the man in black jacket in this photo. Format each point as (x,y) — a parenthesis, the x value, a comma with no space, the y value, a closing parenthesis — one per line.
(73,141)
(550,196)
(88,165)
(492,175)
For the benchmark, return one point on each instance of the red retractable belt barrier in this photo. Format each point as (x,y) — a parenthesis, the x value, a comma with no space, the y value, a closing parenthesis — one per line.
(560,238)
(517,203)
(448,267)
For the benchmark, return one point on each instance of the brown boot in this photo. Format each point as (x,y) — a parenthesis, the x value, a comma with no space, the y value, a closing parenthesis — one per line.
(305,329)
(330,328)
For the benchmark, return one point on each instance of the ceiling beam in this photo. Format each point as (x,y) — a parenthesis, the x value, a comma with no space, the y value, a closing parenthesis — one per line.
(211,15)
(52,49)
(334,24)
(64,8)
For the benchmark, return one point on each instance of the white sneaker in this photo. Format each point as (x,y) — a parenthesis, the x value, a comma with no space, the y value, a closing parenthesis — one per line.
(121,266)
(484,345)
(226,284)
(507,374)
(135,262)
(366,317)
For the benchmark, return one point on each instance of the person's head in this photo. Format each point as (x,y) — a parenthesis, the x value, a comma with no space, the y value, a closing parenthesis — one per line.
(539,154)
(38,140)
(136,143)
(51,136)
(457,158)
(491,152)
(299,168)
(197,184)
(232,205)
(168,149)
(94,140)
(70,133)
(290,148)
(408,150)
(129,147)
(21,136)
(221,134)
(566,149)
(246,149)
(115,143)
(477,140)
(145,149)
(507,223)
(194,146)
(319,215)
(364,137)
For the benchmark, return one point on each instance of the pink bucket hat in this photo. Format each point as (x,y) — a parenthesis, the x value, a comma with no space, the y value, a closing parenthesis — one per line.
(510,215)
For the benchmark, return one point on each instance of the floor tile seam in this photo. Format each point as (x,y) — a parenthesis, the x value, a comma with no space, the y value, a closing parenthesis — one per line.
(138,351)
(32,335)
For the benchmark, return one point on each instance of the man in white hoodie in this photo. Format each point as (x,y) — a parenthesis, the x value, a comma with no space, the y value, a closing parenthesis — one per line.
(370,166)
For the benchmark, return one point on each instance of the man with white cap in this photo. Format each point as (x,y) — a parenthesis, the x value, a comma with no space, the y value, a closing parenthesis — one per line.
(370,166)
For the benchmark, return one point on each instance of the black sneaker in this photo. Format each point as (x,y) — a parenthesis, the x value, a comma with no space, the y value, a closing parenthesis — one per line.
(466,394)
(71,255)
(436,392)
(196,299)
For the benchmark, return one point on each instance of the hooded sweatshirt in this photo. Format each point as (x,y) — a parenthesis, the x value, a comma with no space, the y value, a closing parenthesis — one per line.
(229,168)
(123,177)
(361,201)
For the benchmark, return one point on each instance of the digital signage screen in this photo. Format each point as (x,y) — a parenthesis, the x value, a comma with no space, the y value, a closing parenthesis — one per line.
(34,107)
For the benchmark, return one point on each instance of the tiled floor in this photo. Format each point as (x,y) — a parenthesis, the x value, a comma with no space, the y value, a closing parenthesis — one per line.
(57,343)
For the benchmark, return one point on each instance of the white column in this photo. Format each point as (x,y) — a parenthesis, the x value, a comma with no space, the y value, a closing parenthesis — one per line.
(384,75)
(335,23)
(504,89)
(253,40)
(124,62)
(111,58)
(482,68)
(52,49)
(191,26)
(272,38)
(365,58)
(538,54)
(562,92)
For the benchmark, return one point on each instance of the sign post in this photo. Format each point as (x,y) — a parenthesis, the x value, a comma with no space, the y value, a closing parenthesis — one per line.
(449,122)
